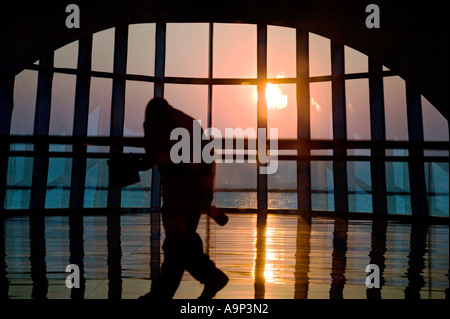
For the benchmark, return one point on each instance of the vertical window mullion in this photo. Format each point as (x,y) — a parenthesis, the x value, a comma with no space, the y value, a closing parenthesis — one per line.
(6,107)
(261,223)
(210,70)
(339,259)
(116,130)
(209,115)
(38,264)
(118,102)
(81,121)
(378,133)
(262,109)
(377,254)
(155,219)
(416,167)
(303,121)
(80,126)
(160,57)
(339,127)
(41,128)
(6,103)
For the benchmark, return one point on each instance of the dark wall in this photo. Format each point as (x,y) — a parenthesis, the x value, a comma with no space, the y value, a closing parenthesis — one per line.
(413,39)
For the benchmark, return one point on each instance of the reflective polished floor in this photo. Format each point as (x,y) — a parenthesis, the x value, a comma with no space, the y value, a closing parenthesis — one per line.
(281,257)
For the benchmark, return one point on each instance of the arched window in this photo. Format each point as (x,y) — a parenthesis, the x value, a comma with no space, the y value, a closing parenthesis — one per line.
(317,90)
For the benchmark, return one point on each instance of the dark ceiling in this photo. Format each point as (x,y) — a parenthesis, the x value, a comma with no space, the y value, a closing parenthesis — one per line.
(413,39)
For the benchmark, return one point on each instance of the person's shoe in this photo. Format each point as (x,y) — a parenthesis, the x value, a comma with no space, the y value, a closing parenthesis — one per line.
(151,296)
(147,296)
(216,283)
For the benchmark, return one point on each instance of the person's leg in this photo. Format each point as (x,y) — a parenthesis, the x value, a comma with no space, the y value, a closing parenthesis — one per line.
(174,247)
(199,265)
(172,269)
(183,250)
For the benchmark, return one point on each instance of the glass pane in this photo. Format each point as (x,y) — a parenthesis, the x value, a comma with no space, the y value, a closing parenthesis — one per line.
(435,125)
(103,51)
(235,185)
(321,111)
(234,51)
(397,187)
(358,109)
(282,109)
(58,183)
(141,49)
(96,186)
(281,52)
(191,99)
(67,56)
(99,111)
(25,89)
(99,107)
(187,47)
(18,183)
(437,182)
(322,188)
(319,55)
(283,186)
(63,101)
(355,61)
(138,94)
(139,194)
(234,106)
(395,108)
(359,187)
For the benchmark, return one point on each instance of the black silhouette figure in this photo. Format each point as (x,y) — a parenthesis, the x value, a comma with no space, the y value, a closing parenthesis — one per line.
(187,191)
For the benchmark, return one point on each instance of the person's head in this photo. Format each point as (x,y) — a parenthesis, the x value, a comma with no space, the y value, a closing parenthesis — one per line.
(157,106)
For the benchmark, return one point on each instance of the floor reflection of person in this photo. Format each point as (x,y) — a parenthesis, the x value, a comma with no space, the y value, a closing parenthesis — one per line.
(187,191)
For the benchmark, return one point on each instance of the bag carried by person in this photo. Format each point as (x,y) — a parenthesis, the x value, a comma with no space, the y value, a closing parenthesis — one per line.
(123,171)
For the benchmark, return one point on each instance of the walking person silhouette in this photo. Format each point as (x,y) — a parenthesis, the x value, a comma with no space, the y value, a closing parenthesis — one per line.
(187,191)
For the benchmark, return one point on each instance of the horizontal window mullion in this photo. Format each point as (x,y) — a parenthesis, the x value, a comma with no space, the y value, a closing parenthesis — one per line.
(205,81)
(282,143)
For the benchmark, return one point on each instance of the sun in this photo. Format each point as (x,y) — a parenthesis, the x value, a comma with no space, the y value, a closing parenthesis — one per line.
(275,98)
